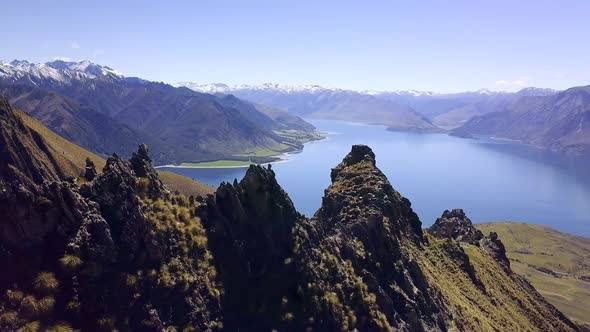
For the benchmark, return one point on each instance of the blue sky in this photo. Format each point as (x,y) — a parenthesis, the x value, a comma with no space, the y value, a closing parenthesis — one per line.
(440,46)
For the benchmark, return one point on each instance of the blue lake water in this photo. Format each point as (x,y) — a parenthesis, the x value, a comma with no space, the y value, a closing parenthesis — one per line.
(491,180)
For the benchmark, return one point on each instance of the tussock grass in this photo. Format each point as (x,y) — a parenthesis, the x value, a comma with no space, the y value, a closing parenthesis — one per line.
(70,263)
(30,327)
(60,327)
(46,282)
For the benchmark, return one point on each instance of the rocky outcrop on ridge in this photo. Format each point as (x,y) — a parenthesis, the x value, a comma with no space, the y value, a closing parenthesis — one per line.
(455,225)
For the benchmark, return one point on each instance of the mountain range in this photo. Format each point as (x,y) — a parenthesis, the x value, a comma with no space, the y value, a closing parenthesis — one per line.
(115,249)
(105,111)
(560,122)
(556,120)
(102,110)
(323,103)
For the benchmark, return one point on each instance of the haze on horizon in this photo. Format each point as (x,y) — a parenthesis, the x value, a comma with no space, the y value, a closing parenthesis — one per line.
(376,45)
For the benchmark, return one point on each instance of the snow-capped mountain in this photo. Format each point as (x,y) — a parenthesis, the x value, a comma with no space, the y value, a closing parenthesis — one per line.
(56,72)
(269,87)
(314,89)
(413,93)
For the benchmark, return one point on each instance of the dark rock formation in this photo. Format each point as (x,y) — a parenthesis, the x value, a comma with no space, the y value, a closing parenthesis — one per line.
(143,168)
(249,225)
(90,170)
(114,191)
(354,255)
(496,248)
(455,225)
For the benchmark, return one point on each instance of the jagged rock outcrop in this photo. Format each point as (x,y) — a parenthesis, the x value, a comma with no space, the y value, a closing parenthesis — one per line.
(249,226)
(114,191)
(90,170)
(455,225)
(353,255)
(143,168)
(493,245)
(120,252)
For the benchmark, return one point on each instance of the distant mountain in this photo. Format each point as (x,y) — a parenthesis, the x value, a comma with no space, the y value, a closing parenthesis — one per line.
(454,109)
(403,110)
(56,73)
(559,121)
(103,110)
(72,160)
(77,123)
(324,103)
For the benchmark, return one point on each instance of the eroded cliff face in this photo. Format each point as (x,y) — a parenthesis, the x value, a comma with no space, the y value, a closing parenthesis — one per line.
(121,252)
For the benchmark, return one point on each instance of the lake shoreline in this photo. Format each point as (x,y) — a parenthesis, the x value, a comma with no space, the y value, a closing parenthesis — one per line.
(277,158)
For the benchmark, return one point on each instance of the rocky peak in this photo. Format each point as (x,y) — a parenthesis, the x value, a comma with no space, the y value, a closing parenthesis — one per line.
(90,170)
(359,153)
(115,192)
(143,168)
(360,193)
(141,162)
(366,231)
(250,225)
(268,200)
(255,208)
(454,224)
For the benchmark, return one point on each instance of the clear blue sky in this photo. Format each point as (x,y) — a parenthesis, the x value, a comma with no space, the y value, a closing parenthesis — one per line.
(383,45)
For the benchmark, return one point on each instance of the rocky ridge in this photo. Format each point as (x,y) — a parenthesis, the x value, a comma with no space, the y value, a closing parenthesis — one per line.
(121,252)
(67,247)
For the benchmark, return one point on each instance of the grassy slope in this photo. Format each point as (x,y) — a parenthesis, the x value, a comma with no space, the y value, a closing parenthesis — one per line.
(184,184)
(552,262)
(467,302)
(72,159)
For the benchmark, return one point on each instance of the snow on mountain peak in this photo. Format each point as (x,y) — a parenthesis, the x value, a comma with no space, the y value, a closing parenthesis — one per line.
(62,72)
(279,88)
